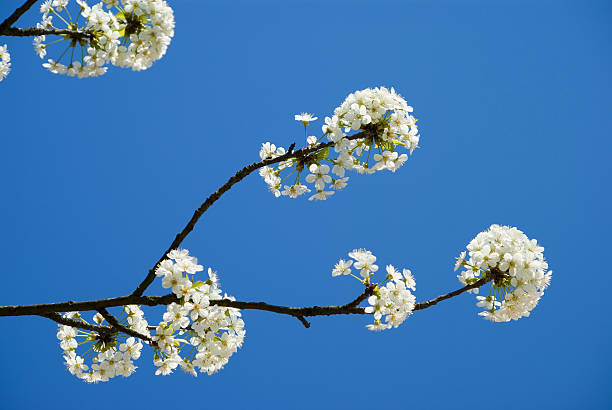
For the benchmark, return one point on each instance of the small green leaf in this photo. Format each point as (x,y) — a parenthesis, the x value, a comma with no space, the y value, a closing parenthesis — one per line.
(321,155)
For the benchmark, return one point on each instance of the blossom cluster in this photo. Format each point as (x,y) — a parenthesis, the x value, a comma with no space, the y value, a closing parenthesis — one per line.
(5,62)
(517,267)
(209,334)
(134,34)
(390,304)
(386,124)
(111,353)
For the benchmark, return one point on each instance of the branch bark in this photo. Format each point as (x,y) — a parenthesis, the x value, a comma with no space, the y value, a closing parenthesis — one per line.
(350,308)
(33,31)
(10,20)
(424,305)
(6,28)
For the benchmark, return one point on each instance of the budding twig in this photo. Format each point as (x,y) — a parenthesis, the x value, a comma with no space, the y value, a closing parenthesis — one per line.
(212,198)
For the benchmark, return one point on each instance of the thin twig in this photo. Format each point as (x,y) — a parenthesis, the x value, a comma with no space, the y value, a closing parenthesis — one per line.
(56,317)
(239,176)
(435,301)
(115,323)
(304,321)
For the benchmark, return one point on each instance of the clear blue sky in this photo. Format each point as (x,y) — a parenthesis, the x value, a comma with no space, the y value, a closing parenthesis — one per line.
(513,99)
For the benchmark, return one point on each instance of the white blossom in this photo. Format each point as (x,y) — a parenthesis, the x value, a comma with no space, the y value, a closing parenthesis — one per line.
(390,304)
(215,332)
(5,62)
(149,28)
(380,113)
(342,268)
(110,358)
(305,118)
(319,176)
(321,195)
(295,190)
(339,183)
(517,267)
(135,35)
(364,260)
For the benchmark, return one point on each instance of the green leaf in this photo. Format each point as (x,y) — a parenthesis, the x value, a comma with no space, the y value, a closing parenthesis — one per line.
(321,155)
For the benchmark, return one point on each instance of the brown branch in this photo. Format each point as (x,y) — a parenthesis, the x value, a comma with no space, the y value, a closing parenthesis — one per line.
(10,20)
(70,306)
(350,308)
(303,321)
(7,30)
(291,311)
(424,305)
(302,154)
(56,317)
(33,31)
(112,320)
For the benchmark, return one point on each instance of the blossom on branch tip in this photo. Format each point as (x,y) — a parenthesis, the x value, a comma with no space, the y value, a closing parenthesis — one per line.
(342,268)
(364,260)
(305,118)
(517,269)
(384,121)
(134,36)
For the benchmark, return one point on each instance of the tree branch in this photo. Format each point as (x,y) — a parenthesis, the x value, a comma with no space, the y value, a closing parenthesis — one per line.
(303,321)
(50,309)
(302,153)
(112,320)
(300,313)
(7,30)
(33,31)
(10,20)
(70,306)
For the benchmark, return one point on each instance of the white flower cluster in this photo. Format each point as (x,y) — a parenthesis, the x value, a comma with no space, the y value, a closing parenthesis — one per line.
(135,36)
(379,110)
(112,353)
(518,270)
(394,300)
(5,62)
(209,334)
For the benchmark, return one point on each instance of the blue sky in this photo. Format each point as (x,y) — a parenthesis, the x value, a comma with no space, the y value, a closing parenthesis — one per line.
(513,101)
